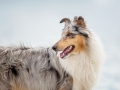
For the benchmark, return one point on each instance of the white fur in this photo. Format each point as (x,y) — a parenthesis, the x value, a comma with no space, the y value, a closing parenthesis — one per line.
(84,67)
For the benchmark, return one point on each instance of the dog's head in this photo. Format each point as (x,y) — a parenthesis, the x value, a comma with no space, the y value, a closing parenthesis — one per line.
(73,38)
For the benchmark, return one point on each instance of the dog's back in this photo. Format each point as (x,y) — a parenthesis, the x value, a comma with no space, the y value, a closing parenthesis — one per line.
(24,68)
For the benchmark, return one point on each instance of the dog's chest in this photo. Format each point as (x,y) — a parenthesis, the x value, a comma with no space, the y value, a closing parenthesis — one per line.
(81,71)
(71,65)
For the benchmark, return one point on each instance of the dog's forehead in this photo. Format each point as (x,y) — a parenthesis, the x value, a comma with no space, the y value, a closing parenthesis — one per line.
(70,28)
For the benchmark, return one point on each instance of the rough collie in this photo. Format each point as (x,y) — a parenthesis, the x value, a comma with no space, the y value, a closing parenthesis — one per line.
(80,53)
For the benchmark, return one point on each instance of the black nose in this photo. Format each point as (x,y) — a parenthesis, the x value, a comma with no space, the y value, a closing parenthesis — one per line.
(54,47)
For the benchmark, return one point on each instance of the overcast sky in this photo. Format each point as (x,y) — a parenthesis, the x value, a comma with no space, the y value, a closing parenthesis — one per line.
(36,23)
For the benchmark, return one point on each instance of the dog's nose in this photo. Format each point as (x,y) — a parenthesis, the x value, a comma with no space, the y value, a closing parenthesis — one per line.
(54,47)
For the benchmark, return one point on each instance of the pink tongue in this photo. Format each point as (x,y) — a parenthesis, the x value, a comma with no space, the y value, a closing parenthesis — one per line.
(65,52)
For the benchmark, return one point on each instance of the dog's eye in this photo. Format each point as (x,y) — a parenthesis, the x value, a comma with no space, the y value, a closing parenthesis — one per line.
(70,35)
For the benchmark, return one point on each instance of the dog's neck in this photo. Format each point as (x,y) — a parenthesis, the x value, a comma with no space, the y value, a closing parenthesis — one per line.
(80,67)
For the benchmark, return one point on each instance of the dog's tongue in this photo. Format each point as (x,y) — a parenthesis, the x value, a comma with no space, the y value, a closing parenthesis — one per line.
(65,52)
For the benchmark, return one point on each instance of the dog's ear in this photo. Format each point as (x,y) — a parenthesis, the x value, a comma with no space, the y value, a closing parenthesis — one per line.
(80,21)
(66,20)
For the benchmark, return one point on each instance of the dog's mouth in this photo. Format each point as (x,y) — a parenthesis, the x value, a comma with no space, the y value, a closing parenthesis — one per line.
(66,51)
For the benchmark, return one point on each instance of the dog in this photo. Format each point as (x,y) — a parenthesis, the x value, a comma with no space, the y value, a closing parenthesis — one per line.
(80,53)
(27,68)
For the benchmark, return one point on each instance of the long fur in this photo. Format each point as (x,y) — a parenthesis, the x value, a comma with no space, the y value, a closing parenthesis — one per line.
(25,68)
(84,67)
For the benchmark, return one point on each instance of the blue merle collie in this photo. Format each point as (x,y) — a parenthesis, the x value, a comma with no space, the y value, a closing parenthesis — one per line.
(25,68)
(80,53)
(73,65)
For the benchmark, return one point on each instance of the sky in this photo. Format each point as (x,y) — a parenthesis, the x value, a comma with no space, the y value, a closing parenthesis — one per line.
(36,23)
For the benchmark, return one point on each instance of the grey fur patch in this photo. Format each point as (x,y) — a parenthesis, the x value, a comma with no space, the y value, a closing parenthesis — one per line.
(31,68)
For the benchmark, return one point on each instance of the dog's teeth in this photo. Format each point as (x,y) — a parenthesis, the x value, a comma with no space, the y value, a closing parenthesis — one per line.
(70,47)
